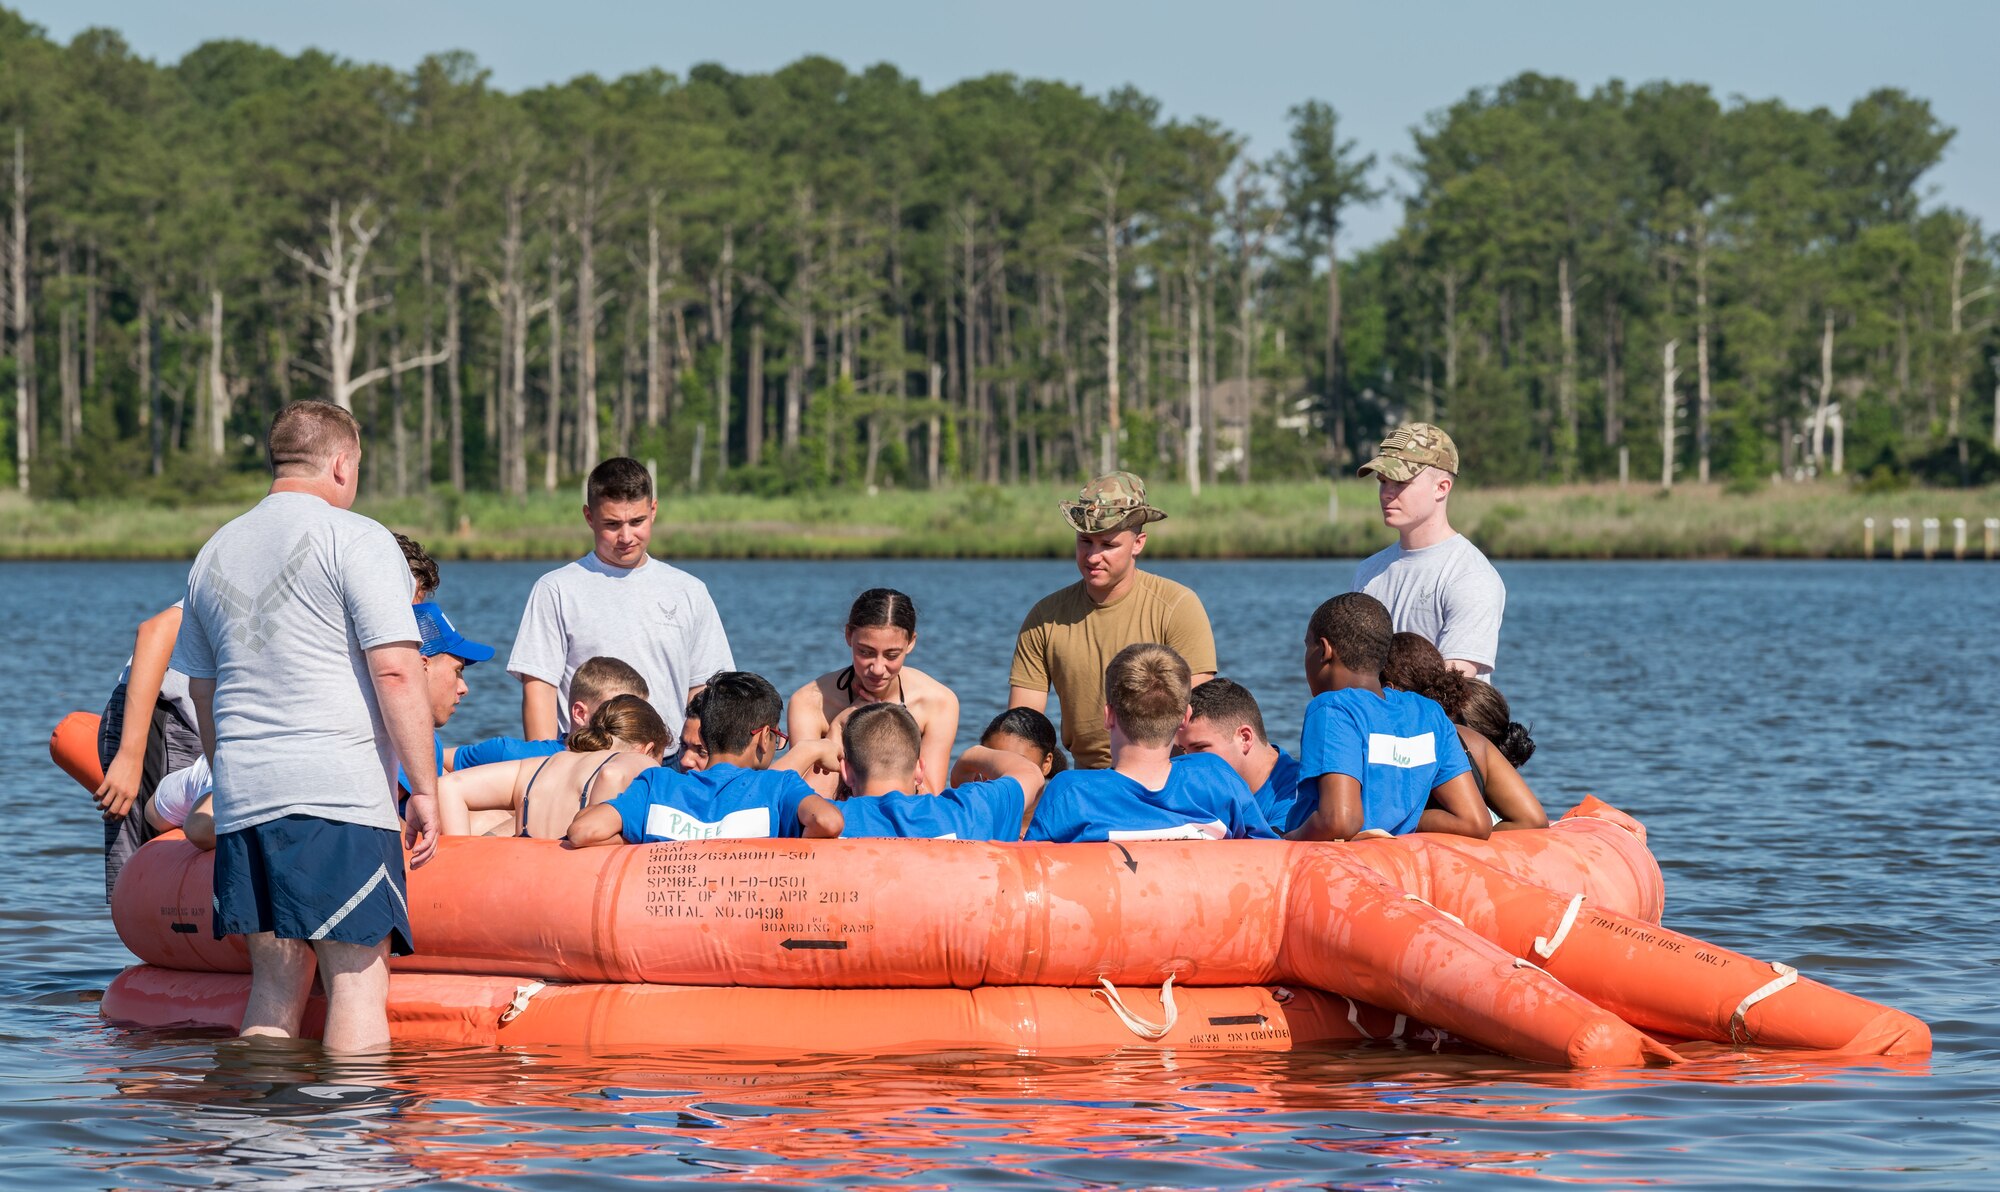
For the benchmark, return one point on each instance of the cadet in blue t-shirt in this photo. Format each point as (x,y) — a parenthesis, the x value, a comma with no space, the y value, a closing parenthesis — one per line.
(1224,719)
(1378,760)
(738,795)
(446,653)
(880,758)
(596,681)
(1148,794)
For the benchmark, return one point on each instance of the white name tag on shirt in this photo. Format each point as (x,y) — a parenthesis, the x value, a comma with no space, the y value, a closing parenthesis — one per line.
(1403,752)
(1212,830)
(671,823)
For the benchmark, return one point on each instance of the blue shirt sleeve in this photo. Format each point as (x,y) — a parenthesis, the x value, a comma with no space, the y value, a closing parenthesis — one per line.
(632,804)
(787,793)
(1054,822)
(502,749)
(993,809)
(1333,741)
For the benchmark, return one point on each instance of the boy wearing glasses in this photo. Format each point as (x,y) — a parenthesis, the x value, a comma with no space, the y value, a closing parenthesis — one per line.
(737,795)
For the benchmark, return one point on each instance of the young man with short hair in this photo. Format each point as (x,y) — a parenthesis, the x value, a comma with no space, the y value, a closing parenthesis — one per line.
(1149,794)
(1069,635)
(738,795)
(1433,581)
(302,656)
(620,602)
(879,758)
(1379,760)
(1224,719)
(597,680)
(446,653)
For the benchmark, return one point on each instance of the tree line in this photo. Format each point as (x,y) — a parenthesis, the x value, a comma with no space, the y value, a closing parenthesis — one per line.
(817,277)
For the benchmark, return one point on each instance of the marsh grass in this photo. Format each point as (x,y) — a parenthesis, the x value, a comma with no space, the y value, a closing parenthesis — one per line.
(978,521)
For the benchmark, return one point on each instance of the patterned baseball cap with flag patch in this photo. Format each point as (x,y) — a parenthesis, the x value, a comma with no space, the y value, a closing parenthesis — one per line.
(1113,502)
(1411,448)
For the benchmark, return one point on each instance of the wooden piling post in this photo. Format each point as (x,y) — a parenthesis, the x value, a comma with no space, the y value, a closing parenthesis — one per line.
(1899,537)
(1992,536)
(1958,538)
(1930,538)
(1867,537)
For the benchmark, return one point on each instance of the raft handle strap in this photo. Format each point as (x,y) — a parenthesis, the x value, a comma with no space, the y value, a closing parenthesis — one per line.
(1545,947)
(1787,976)
(1354,1015)
(1407,897)
(522,994)
(1136,1024)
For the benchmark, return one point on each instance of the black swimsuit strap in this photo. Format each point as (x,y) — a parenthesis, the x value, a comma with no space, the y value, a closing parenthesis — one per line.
(844,683)
(583,796)
(531,790)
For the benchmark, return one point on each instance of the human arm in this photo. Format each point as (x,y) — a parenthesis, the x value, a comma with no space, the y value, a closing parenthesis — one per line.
(1028,697)
(599,823)
(1028,675)
(1189,634)
(805,715)
(152,653)
(940,730)
(1457,810)
(819,819)
(476,788)
(397,671)
(1505,791)
(818,762)
(538,709)
(1338,816)
(199,827)
(201,693)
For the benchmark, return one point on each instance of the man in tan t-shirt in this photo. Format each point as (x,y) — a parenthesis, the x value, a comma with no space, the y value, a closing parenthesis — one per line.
(1070,636)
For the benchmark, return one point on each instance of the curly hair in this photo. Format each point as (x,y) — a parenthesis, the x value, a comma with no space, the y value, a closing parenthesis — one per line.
(1416,665)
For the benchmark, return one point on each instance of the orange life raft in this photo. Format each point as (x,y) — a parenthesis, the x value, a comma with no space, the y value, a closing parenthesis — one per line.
(1540,945)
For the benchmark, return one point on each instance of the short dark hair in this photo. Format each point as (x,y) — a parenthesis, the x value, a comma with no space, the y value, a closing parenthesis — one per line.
(1146,688)
(423,568)
(880,739)
(1028,725)
(1414,664)
(1226,704)
(734,707)
(618,479)
(603,676)
(306,435)
(1357,627)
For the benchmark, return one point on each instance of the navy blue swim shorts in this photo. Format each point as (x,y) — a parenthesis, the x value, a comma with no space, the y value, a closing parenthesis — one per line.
(305,878)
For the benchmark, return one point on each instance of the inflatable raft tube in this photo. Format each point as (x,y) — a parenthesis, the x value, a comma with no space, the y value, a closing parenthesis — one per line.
(754,1023)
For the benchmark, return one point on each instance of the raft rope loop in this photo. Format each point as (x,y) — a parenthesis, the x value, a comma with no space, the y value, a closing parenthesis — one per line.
(1545,947)
(522,994)
(1787,976)
(1354,1016)
(1407,897)
(1137,1025)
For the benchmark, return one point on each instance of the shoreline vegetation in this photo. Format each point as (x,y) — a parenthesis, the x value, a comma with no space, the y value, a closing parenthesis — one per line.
(1271,520)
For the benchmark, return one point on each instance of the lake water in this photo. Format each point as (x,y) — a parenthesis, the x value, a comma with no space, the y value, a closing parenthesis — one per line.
(1811,744)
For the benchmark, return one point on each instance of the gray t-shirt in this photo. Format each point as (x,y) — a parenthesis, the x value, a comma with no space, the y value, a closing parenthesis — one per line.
(282,606)
(173,688)
(657,619)
(1448,593)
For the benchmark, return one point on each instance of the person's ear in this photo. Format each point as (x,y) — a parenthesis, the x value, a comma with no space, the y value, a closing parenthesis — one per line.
(919,780)
(1246,740)
(847,776)
(576,712)
(1138,543)
(1110,721)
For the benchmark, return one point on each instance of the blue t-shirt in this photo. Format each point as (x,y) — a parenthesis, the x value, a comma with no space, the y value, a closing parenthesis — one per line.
(975,811)
(403,780)
(504,749)
(1285,802)
(1203,800)
(720,803)
(1398,745)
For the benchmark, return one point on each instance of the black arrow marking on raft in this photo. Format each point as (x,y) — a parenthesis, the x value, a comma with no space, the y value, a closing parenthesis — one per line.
(1256,1020)
(816,945)
(1129,862)
(186,928)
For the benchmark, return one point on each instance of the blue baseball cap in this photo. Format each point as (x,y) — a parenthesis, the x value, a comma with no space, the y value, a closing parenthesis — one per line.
(440,638)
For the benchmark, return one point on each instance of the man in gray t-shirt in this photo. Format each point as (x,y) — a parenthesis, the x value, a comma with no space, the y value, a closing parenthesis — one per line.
(1433,581)
(616,602)
(301,653)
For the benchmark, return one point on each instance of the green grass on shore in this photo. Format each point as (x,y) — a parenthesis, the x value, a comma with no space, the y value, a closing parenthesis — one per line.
(976,521)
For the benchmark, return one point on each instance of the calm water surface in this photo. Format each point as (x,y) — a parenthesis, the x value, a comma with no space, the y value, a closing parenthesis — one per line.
(1812,746)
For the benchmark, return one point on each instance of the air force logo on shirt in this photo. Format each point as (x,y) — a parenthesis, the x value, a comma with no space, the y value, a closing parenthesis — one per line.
(1405,753)
(671,823)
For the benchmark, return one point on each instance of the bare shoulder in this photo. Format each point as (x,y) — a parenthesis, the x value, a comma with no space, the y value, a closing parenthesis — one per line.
(925,694)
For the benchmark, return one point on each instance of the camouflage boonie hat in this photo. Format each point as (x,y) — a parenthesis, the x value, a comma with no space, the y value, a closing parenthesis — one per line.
(1410,449)
(1113,502)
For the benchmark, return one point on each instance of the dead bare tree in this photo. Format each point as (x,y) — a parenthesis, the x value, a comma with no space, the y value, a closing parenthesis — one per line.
(341,263)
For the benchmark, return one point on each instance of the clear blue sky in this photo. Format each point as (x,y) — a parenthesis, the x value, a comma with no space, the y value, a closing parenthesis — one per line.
(1384,66)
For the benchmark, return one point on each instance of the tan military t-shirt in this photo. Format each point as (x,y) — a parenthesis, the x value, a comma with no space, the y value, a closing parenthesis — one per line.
(1066,642)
